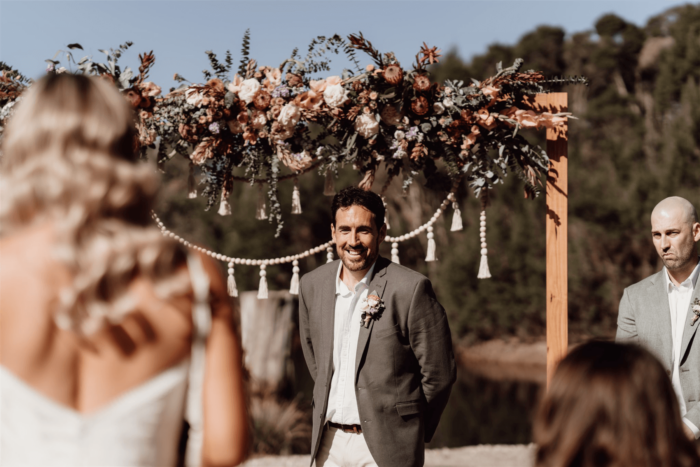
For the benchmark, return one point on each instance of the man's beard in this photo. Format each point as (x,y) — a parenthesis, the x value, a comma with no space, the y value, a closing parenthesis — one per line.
(679,261)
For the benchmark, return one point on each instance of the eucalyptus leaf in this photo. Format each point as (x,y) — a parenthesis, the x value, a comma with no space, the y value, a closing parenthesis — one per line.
(75,46)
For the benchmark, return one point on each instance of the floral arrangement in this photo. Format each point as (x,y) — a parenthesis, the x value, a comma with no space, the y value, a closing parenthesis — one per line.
(267,118)
(372,308)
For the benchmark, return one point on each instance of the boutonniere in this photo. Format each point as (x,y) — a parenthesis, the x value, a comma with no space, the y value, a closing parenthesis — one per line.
(372,308)
(696,310)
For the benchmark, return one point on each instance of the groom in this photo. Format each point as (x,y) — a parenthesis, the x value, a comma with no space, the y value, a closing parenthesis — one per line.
(377,344)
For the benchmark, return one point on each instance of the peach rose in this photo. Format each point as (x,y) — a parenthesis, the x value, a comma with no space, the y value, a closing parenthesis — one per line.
(258,120)
(235,85)
(366,125)
(274,78)
(194,97)
(335,95)
(248,89)
(289,116)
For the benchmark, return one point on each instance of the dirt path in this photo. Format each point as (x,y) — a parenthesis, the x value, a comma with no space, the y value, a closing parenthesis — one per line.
(469,456)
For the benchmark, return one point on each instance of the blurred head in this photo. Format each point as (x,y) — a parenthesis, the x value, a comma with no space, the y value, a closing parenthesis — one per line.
(358,227)
(69,162)
(611,405)
(675,231)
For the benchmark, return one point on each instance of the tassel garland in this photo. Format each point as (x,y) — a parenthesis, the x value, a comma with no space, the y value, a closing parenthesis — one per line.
(329,254)
(457,216)
(294,286)
(395,253)
(191,183)
(224,206)
(260,210)
(484,272)
(296,199)
(386,214)
(262,289)
(430,256)
(231,283)
(329,186)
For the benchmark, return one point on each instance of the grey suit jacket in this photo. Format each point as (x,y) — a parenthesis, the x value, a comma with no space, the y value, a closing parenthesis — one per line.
(645,318)
(405,364)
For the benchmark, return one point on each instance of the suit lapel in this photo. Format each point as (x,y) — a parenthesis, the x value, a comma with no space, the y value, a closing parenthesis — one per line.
(328,321)
(377,284)
(662,327)
(689,331)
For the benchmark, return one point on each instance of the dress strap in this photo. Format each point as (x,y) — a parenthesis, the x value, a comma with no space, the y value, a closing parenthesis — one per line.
(201,323)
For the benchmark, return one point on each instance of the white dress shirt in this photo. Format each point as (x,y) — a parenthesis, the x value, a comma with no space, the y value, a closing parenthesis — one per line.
(342,403)
(679,303)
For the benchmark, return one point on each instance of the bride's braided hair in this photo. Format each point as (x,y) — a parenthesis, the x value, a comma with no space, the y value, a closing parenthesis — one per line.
(68,160)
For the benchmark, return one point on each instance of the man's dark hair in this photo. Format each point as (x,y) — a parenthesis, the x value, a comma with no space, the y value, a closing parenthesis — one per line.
(353,196)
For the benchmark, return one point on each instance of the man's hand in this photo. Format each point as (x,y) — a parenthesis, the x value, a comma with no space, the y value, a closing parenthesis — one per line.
(688,432)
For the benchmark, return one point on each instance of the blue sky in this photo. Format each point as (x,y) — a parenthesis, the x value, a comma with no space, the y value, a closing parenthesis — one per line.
(180,31)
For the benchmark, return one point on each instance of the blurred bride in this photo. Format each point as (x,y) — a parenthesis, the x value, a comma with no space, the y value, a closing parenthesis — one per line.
(110,334)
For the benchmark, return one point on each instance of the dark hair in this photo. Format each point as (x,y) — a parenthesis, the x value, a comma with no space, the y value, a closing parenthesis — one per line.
(611,405)
(353,196)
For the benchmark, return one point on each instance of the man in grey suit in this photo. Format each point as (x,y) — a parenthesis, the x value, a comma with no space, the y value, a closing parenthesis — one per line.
(662,312)
(377,344)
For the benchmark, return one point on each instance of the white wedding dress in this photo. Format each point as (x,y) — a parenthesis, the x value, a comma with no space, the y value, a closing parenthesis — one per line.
(140,428)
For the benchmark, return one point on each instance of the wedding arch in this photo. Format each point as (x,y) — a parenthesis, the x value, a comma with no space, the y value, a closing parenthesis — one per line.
(277,123)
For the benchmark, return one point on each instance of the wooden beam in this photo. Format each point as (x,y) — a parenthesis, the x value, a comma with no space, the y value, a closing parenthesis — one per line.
(557,232)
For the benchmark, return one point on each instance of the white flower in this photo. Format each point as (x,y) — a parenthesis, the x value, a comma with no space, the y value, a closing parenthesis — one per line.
(289,116)
(366,125)
(447,102)
(696,308)
(193,97)
(438,108)
(399,135)
(258,120)
(372,301)
(335,95)
(248,89)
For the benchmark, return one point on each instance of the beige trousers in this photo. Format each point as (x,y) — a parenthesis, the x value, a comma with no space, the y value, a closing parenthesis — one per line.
(340,449)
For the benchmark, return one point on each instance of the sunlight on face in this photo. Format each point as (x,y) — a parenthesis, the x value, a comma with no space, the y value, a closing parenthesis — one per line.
(357,237)
(674,237)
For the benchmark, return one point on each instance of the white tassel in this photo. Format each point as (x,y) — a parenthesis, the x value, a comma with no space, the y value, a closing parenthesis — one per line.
(329,186)
(294,286)
(224,206)
(386,215)
(231,283)
(296,199)
(484,272)
(262,289)
(395,253)
(456,218)
(191,183)
(260,209)
(430,256)
(329,254)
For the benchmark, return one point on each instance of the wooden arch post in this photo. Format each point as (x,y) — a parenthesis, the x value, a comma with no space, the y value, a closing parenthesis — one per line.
(557,231)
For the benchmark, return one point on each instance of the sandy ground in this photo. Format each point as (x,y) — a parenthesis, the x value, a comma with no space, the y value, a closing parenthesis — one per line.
(469,456)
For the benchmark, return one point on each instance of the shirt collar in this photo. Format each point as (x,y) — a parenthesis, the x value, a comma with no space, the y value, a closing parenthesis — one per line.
(690,282)
(342,289)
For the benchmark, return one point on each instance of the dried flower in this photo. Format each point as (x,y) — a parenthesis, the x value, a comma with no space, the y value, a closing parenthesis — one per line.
(390,115)
(214,128)
(412,133)
(133,96)
(280,91)
(258,120)
(490,92)
(293,80)
(438,108)
(447,102)
(366,125)
(274,78)
(373,95)
(420,105)
(399,135)
(261,99)
(421,83)
(393,74)
(203,151)
(485,119)
(149,89)
(430,54)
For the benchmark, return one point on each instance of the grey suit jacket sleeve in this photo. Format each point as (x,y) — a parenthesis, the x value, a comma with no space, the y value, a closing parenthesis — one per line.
(626,322)
(694,415)
(430,339)
(305,332)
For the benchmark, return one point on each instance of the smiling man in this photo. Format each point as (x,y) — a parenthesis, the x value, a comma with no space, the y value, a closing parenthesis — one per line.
(660,312)
(377,344)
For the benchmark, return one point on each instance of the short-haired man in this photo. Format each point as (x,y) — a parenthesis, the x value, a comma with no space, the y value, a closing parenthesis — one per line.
(662,312)
(377,344)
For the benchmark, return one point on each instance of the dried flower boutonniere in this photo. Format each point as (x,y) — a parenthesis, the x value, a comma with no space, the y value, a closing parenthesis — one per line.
(372,308)
(696,310)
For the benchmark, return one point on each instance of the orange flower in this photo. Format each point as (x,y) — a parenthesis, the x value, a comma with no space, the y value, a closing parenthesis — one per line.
(393,74)
(203,151)
(486,120)
(526,118)
(274,78)
(261,99)
(293,80)
(216,86)
(420,105)
(491,92)
(421,83)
